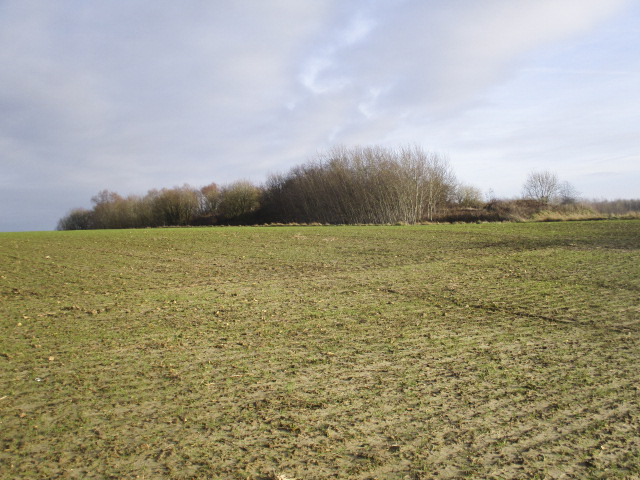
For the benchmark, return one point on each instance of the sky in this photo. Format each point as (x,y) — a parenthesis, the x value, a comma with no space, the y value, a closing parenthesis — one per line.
(131,95)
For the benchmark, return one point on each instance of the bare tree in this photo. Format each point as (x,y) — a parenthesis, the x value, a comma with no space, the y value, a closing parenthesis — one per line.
(567,194)
(210,200)
(76,219)
(541,186)
(176,206)
(440,183)
(467,196)
(106,213)
(362,185)
(238,199)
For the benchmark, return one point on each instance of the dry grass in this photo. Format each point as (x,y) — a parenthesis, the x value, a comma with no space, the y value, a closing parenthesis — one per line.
(580,215)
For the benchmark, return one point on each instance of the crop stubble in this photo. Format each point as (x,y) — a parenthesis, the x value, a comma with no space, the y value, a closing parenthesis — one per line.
(460,351)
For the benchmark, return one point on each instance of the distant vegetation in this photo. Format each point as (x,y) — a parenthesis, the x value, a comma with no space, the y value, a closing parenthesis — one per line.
(371,185)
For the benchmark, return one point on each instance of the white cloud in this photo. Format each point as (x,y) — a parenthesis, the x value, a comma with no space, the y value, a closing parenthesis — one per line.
(140,94)
(431,58)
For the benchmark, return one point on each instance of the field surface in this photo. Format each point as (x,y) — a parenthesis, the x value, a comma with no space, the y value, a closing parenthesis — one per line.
(463,351)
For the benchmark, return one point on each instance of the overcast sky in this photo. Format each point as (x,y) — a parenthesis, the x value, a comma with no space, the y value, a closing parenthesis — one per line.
(129,95)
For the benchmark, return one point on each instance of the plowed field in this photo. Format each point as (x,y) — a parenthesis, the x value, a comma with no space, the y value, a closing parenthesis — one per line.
(461,351)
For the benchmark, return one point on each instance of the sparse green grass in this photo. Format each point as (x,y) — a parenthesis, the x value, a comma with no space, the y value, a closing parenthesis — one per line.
(459,351)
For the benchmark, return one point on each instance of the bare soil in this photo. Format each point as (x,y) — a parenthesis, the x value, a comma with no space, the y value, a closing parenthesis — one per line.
(462,351)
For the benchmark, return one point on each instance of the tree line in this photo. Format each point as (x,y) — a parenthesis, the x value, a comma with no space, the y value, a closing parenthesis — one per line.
(342,186)
(178,206)
(360,185)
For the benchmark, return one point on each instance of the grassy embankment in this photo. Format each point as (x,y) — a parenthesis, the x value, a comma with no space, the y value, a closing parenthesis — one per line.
(458,351)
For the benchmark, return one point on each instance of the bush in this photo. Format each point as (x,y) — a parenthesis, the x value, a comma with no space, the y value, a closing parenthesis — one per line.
(77,219)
